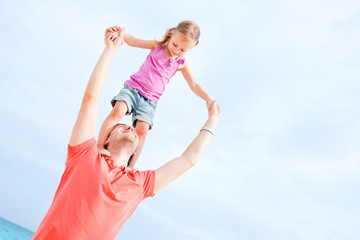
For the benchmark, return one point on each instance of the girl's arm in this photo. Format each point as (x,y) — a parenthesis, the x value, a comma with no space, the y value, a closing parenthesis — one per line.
(136,42)
(194,86)
(133,41)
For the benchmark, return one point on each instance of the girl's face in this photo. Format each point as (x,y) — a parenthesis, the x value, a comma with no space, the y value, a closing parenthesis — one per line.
(179,45)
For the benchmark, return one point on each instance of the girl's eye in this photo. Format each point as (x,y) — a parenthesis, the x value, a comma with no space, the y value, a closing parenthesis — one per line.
(174,45)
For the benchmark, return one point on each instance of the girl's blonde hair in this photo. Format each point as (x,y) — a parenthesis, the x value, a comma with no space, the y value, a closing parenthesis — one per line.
(190,29)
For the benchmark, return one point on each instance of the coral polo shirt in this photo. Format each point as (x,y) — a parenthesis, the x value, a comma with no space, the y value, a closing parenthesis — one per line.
(94,199)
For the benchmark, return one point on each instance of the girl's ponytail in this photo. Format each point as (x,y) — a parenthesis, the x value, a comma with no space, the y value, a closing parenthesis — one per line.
(166,37)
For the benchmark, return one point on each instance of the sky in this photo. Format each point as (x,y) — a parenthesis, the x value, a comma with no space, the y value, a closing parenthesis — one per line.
(284,161)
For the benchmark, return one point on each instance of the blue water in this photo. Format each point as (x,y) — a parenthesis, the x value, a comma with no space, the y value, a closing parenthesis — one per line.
(12,231)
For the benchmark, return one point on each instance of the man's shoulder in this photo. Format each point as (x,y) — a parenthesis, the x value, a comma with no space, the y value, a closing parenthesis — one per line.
(85,144)
(143,175)
(85,149)
(136,171)
(146,179)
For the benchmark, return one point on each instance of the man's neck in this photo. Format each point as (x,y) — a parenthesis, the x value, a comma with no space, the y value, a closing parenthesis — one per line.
(120,158)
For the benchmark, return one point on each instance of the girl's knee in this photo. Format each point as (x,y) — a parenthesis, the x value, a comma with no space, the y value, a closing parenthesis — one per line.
(142,128)
(119,109)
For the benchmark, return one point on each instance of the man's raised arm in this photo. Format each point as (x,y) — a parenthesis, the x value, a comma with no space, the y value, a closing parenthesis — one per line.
(85,124)
(176,167)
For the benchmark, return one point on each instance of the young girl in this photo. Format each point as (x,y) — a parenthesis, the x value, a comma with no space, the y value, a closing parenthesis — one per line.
(142,91)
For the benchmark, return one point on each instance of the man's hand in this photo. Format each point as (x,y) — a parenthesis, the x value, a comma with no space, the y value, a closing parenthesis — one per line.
(105,153)
(114,36)
(112,32)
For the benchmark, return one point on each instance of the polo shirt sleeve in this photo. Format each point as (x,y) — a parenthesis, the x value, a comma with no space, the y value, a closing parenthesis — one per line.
(81,151)
(147,181)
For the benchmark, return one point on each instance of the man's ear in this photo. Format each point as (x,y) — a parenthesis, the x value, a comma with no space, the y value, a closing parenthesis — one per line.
(106,144)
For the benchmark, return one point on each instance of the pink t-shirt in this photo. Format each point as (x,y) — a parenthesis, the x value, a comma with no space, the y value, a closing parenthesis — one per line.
(93,199)
(154,74)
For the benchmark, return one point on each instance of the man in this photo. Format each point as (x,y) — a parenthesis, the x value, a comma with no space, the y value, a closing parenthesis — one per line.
(96,195)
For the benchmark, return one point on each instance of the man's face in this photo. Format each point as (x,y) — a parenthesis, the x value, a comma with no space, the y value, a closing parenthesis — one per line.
(125,135)
(126,131)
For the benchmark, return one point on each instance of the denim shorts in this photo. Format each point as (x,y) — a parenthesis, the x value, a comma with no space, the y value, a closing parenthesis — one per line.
(141,108)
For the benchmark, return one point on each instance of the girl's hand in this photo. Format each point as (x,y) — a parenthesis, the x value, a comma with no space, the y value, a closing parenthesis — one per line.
(208,105)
